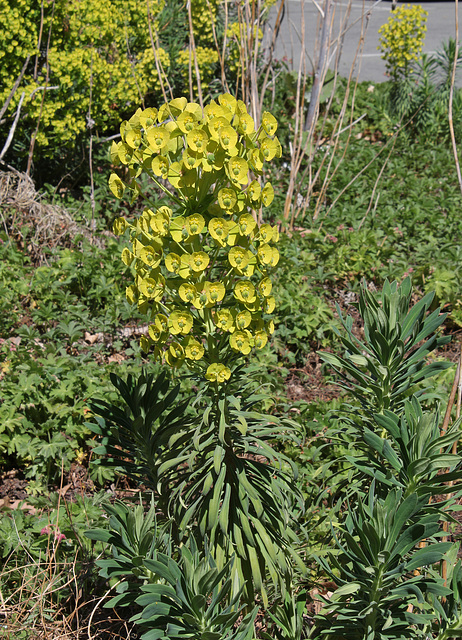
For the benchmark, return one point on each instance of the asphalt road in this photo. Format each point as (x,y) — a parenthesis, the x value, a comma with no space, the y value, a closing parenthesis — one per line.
(300,25)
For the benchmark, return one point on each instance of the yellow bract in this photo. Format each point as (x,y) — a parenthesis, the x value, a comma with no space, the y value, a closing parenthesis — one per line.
(269,123)
(180,322)
(218,373)
(199,261)
(116,186)
(173,262)
(245,291)
(193,349)
(218,229)
(215,291)
(158,138)
(224,319)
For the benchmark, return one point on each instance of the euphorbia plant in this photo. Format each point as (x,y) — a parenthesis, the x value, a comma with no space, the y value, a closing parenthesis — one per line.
(202,265)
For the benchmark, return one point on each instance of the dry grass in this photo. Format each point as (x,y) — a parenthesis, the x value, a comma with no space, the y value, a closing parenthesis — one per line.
(49,225)
(33,611)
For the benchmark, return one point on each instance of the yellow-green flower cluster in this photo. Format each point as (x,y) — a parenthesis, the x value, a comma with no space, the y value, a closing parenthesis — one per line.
(88,49)
(402,38)
(241,44)
(206,58)
(202,264)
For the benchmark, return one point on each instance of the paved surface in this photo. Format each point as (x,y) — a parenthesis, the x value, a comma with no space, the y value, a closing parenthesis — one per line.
(301,24)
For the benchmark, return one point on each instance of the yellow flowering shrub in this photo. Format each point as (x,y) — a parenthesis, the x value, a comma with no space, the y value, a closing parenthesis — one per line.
(202,264)
(105,44)
(207,59)
(238,37)
(402,38)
